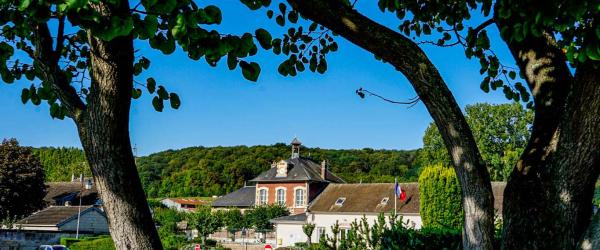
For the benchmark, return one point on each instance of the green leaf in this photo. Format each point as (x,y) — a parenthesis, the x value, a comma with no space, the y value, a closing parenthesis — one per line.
(162,93)
(164,6)
(264,38)
(213,14)
(136,93)
(231,61)
(512,75)
(252,4)
(175,101)
(157,103)
(180,27)
(25,95)
(24,4)
(280,20)
(293,16)
(55,110)
(282,8)
(151,85)
(250,71)
(322,67)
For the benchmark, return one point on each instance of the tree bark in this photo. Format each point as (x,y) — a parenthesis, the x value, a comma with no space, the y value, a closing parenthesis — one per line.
(103,127)
(554,178)
(406,56)
(104,134)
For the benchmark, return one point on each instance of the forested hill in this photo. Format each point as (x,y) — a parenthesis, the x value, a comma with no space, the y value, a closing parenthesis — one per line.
(206,171)
(60,163)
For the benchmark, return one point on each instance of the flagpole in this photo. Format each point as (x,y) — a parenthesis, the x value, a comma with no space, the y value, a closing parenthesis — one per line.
(395,198)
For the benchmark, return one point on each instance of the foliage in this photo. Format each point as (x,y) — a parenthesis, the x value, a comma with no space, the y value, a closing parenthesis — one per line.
(390,234)
(234,220)
(103,243)
(205,221)
(440,198)
(167,220)
(308,229)
(206,171)
(572,23)
(259,216)
(61,163)
(22,188)
(501,132)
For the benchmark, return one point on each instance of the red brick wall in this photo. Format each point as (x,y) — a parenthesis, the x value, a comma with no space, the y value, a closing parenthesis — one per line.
(289,194)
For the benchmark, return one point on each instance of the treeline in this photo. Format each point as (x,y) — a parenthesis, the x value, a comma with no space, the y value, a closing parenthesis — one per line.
(205,171)
(60,163)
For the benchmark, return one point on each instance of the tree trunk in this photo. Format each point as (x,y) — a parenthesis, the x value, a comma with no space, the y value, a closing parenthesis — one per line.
(104,134)
(554,178)
(406,56)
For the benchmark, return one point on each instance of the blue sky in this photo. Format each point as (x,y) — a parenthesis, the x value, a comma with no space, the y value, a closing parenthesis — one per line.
(219,107)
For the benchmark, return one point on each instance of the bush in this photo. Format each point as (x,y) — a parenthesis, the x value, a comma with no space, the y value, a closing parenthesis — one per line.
(96,243)
(393,235)
(68,241)
(440,198)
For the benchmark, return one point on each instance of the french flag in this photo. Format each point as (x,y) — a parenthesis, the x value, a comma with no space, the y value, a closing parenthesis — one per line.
(400,194)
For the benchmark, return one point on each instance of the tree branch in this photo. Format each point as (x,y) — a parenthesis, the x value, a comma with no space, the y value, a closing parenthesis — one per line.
(46,58)
(411,61)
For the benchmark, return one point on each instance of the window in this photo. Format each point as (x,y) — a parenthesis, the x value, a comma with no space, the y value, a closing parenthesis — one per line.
(281,196)
(385,200)
(320,232)
(262,196)
(300,197)
(340,201)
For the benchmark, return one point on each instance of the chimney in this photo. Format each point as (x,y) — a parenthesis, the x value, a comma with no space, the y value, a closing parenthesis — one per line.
(324,170)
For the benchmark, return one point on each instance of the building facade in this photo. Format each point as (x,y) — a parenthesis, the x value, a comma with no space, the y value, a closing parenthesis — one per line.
(292,183)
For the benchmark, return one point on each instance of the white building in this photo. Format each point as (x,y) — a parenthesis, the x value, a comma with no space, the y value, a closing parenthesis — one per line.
(182,205)
(346,203)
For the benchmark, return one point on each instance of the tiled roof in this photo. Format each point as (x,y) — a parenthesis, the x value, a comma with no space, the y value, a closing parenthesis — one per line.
(291,219)
(302,169)
(59,190)
(366,198)
(54,215)
(243,197)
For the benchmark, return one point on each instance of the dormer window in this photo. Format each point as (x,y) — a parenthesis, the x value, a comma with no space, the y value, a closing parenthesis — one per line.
(340,201)
(385,200)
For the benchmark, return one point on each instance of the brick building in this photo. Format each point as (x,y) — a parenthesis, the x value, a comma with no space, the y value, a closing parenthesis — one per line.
(293,183)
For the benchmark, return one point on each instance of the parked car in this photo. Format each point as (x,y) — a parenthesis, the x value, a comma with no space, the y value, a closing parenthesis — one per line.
(55,247)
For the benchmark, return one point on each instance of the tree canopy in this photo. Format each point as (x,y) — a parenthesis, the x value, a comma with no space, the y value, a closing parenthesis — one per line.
(22,187)
(501,132)
(206,171)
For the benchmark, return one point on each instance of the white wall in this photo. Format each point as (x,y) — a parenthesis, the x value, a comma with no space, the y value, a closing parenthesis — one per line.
(327,220)
(171,204)
(92,221)
(288,234)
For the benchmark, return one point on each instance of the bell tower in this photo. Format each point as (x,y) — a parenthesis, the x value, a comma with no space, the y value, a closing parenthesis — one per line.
(296,148)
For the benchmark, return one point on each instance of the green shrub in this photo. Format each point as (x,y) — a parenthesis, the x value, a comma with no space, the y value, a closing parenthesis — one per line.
(103,243)
(68,241)
(393,235)
(440,198)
